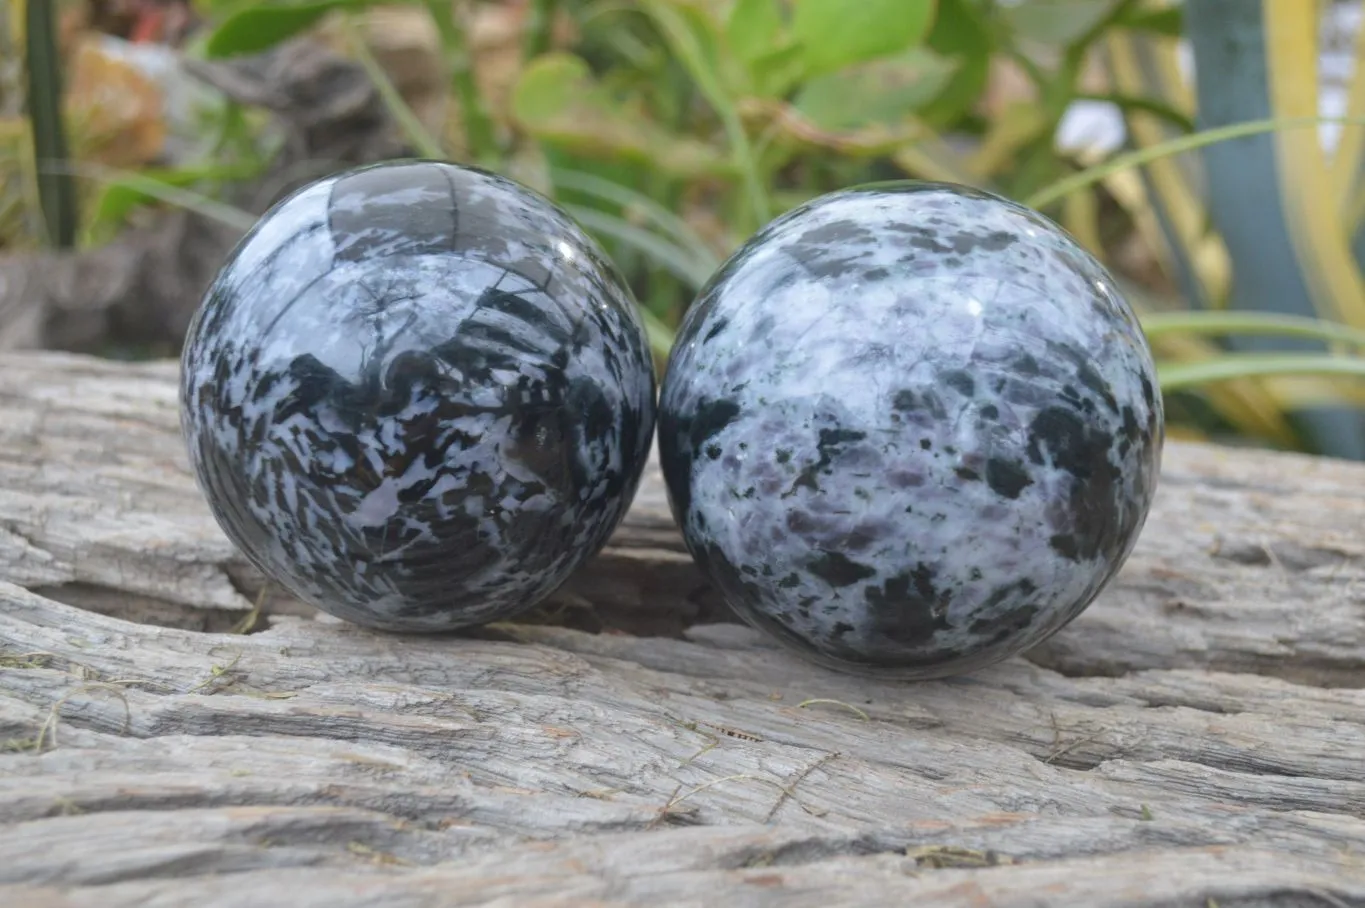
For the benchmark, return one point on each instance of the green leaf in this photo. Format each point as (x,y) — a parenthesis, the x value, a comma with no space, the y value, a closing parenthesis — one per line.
(255,26)
(557,100)
(960,32)
(778,71)
(836,33)
(1055,22)
(1168,21)
(882,92)
(214,8)
(753,29)
(549,85)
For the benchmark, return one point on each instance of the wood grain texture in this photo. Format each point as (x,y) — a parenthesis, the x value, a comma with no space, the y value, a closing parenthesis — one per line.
(1195,738)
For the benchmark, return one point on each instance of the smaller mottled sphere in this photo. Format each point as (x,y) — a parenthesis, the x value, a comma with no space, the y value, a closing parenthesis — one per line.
(910,429)
(417,396)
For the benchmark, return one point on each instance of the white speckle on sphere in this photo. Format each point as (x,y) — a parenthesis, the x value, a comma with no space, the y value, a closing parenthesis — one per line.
(417,396)
(910,429)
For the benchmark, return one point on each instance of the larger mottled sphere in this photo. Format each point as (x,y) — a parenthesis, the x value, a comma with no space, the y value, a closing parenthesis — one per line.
(910,429)
(417,396)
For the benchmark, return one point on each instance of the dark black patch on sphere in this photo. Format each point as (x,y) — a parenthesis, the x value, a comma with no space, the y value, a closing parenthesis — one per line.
(909,609)
(1007,478)
(686,435)
(960,380)
(838,569)
(1059,437)
(831,443)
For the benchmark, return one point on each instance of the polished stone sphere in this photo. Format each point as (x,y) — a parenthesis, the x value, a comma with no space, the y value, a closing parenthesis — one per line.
(417,396)
(910,429)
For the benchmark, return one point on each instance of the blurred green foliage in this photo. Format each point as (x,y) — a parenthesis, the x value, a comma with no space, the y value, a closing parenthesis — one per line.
(673,129)
(743,108)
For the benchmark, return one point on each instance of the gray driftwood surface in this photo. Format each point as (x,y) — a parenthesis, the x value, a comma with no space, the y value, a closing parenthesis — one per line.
(1196,738)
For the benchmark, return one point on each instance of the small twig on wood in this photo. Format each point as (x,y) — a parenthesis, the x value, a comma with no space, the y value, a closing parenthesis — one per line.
(698,726)
(66,807)
(941,857)
(791,786)
(1063,751)
(677,798)
(216,672)
(848,706)
(248,624)
(26,660)
(663,811)
(48,731)
(600,794)
(1274,559)
(711,744)
(1060,750)
(1327,897)
(375,856)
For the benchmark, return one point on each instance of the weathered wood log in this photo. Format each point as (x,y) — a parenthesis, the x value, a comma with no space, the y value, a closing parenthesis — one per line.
(1195,738)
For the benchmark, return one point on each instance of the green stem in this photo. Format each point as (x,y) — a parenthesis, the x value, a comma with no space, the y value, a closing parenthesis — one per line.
(1178,376)
(1056,94)
(689,52)
(658,215)
(162,191)
(1091,175)
(1130,104)
(56,188)
(540,23)
(1032,70)
(478,126)
(1263,324)
(657,249)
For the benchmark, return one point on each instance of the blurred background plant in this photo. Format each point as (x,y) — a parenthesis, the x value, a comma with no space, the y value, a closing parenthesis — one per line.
(1176,142)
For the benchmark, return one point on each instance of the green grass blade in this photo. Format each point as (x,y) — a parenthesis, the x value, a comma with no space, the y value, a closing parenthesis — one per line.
(538,31)
(689,52)
(1091,175)
(1263,324)
(480,141)
(663,252)
(417,134)
(666,221)
(1178,376)
(165,192)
